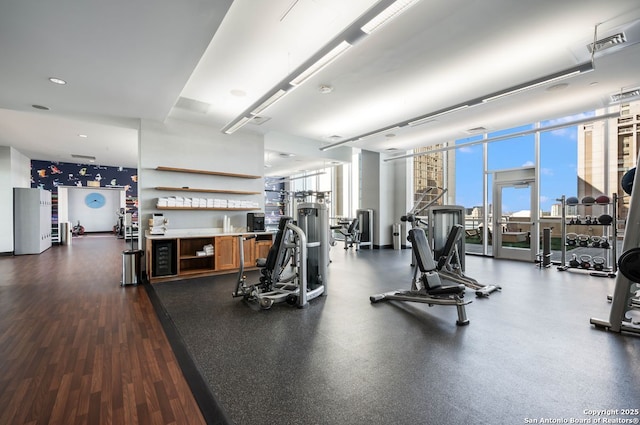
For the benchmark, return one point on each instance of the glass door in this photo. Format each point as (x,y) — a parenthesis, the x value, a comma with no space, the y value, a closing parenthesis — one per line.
(514,219)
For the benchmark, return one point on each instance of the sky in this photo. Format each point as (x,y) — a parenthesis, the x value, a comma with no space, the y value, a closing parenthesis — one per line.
(558,170)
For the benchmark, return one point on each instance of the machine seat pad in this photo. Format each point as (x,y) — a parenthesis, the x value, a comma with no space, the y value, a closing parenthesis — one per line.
(447,289)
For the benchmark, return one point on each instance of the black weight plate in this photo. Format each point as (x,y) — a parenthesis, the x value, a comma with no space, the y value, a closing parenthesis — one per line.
(629,264)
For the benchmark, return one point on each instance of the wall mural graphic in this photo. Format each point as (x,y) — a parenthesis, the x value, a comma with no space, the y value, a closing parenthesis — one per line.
(49,175)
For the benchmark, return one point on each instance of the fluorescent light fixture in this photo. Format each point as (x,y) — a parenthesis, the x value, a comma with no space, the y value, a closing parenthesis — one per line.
(270,101)
(579,69)
(541,81)
(233,128)
(319,173)
(380,13)
(378,132)
(511,136)
(437,114)
(387,15)
(320,63)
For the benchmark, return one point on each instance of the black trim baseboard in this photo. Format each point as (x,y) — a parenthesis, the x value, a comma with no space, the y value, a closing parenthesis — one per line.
(210,407)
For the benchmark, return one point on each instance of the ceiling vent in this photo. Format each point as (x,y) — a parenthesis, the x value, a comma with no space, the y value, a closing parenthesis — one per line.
(89,157)
(475,130)
(192,105)
(621,97)
(607,42)
(257,120)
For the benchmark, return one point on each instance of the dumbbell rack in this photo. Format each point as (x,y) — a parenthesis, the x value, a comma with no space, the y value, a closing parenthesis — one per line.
(610,267)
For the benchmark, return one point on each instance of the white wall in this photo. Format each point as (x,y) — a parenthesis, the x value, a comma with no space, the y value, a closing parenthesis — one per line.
(14,172)
(385,190)
(94,219)
(179,144)
(402,193)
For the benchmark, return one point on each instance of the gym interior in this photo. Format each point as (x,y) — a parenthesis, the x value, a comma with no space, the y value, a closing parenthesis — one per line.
(223,266)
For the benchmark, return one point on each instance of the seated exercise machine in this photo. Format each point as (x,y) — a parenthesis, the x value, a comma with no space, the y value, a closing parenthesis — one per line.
(427,288)
(351,235)
(449,265)
(284,273)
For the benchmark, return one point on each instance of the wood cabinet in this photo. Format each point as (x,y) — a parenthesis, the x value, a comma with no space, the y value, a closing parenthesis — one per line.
(249,253)
(164,265)
(262,248)
(190,261)
(226,252)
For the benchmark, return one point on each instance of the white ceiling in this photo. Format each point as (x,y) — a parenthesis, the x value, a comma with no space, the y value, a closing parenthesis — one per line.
(129,60)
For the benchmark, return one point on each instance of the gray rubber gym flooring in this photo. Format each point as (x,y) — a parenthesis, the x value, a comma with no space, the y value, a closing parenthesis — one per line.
(529,354)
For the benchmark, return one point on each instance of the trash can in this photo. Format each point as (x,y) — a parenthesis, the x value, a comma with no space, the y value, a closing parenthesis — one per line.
(396,235)
(131,267)
(65,233)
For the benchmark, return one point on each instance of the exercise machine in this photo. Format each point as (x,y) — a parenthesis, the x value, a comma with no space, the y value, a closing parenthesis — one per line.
(622,316)
(284,272)
(351,234)
(449,265)
(313,219)
(427,287)
(449,259)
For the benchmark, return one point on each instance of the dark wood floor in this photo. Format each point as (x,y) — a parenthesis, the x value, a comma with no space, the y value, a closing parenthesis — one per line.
(76,347)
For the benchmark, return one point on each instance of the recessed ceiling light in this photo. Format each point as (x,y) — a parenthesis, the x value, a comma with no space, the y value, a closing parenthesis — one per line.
(238,93)
(84,136)
(287,155)
(389,135)
(325,89)
(56,80)
(44,108)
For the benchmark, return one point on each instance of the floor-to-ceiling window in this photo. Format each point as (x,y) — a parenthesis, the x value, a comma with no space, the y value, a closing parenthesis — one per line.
(558,173)
(579,156)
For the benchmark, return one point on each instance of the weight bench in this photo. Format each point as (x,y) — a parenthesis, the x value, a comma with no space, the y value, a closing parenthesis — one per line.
(449,265)
(427,288)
